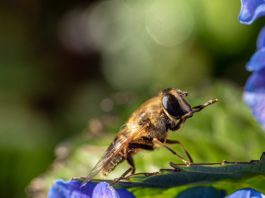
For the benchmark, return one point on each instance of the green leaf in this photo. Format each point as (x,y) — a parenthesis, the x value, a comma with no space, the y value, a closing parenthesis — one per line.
(228,176)
(202,192)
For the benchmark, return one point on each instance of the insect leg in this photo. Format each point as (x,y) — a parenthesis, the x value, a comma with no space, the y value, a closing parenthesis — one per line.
(144,147)
(224,162)
(182,146)
(200,107)
(171,150)
(131,163)
(189,114)
(178,125)
(131,169)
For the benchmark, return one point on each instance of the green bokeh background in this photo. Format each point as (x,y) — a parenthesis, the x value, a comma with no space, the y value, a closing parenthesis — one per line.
(73,72)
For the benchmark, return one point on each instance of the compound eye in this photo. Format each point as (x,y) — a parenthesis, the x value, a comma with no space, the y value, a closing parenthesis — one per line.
(172,106)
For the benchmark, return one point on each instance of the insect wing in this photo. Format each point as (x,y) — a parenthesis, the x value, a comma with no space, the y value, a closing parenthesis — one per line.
(114,149)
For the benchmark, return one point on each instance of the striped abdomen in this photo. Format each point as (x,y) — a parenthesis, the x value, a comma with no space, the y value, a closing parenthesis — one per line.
(114,155)
(111,165)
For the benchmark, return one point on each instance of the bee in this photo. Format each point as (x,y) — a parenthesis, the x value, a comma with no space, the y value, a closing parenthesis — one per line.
(148,127)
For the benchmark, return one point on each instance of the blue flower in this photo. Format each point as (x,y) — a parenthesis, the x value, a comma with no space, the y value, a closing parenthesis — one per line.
(257,61)
(251,10)
(75,188)
(246,193)
(255,87)
(104,190)
(254,95)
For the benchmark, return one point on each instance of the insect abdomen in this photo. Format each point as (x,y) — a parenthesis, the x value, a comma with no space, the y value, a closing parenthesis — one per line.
(115,160)
(115,151)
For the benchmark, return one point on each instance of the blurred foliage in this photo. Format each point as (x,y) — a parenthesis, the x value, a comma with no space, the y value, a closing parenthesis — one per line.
(61,65)
(223,131)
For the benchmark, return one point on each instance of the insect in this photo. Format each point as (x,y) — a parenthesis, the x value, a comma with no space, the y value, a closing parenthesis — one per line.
(147,127)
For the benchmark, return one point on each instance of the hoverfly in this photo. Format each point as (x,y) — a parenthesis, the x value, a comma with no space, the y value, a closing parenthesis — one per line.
(148,126)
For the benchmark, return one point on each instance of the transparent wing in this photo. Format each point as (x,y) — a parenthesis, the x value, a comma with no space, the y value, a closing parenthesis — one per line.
(115,148)
(112,150)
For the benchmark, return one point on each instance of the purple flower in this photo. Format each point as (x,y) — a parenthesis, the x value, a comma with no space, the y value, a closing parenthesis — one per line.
(251,10)
(246,193)
(75,188)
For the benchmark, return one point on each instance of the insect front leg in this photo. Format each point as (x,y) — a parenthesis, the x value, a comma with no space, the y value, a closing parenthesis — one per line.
(200,107)
(156,141)
(177,126)
(182,146)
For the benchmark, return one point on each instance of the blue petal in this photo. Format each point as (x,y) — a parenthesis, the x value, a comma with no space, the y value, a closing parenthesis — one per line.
(256,101)
(75,188)
(246,193)
(104,190)
(261,39)
(257,61)
(71,189)
(254,95)
(124,193)
(251,10)
(256,82)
